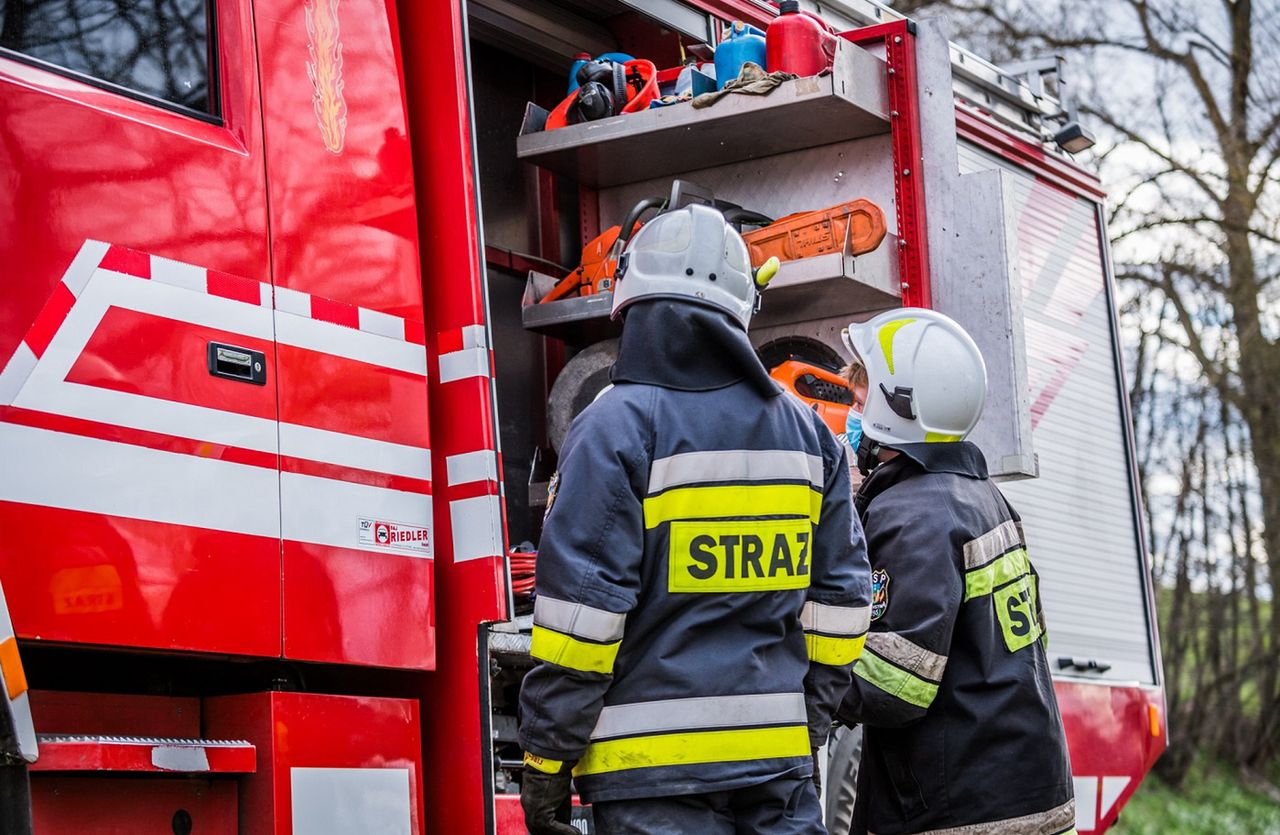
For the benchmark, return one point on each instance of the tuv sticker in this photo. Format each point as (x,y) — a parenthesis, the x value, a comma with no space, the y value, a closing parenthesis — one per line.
(379,532)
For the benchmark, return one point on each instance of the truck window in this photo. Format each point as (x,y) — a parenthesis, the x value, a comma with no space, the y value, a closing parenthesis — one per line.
(152,49)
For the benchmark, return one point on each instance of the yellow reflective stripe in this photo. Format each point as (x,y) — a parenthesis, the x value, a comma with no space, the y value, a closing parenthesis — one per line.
(694,748)
(835,652)
(567,651)
(895,681)
(886,340)
(981,581)
(543,764)
(734,500)
(940,438)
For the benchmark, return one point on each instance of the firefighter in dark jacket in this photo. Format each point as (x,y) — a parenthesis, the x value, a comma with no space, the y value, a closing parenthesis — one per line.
(702,584)
(963,733)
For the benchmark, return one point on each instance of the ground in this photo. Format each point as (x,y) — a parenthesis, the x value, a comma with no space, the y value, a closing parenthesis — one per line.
(1212,801)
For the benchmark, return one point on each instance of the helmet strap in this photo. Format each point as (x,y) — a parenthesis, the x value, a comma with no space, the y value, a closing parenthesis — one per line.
(868,455)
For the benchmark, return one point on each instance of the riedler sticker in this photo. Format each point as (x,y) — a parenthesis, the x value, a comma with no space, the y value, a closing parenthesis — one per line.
(396,535)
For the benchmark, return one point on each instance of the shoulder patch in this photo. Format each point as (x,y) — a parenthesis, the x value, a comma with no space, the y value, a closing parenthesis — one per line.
(879,593)
(553,487)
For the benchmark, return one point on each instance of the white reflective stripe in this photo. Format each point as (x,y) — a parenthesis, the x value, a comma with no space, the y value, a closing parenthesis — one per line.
(292,301)
(735,465)
(700,712)
(481,465)
(84,265)
(477,528)
(459,365)
(475,336)
(15,373)
(339,801)
(78,473)
(1050,822)
(354,451)
(383,324)
(991,544)
(324,511)
(578,619)
(835,620)
(349,343)
(907,654)
(179,274)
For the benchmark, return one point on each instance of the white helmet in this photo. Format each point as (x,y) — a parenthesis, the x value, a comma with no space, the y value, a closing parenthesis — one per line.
(693,254)
(926,378)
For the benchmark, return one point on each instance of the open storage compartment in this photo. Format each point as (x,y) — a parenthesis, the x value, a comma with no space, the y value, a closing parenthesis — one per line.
(810,144)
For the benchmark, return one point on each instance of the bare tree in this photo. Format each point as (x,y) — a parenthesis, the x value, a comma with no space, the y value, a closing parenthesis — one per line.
(1187,96)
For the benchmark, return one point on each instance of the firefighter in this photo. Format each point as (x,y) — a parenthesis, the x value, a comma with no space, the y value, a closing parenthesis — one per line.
(702,585)
(963,732)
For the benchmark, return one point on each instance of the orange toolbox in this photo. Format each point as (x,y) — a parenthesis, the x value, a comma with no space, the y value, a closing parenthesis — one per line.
(854,228)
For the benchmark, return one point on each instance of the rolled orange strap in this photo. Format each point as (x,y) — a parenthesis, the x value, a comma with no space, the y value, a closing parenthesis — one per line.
(854,228)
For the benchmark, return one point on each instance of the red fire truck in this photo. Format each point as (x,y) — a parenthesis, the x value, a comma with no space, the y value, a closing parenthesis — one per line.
(275,428)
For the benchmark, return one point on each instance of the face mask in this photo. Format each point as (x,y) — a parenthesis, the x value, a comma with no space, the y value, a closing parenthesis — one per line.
(853,428)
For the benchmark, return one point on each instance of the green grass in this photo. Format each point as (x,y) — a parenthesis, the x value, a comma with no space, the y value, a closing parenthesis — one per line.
(1212,801)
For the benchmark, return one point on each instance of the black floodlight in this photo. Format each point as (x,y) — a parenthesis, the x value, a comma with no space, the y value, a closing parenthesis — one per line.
(1074,138)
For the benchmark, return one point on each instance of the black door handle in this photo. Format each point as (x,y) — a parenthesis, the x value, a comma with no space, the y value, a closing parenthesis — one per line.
(232,363)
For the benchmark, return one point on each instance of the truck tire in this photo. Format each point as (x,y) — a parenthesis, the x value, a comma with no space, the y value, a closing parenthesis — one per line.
(843,757)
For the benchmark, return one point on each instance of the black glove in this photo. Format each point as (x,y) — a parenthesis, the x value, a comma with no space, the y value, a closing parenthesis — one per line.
(817,773)
(547,803)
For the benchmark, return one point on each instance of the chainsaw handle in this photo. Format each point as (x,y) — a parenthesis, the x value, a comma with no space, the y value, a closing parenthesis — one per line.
(633,217)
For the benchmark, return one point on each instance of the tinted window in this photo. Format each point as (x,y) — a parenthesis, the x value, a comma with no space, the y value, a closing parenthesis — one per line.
(158,48)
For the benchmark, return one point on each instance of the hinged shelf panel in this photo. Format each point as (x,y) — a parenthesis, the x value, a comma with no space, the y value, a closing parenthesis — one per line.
(848,103)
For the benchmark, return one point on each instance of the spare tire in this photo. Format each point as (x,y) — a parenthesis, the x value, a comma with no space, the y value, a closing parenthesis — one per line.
(578,384)
(844,753)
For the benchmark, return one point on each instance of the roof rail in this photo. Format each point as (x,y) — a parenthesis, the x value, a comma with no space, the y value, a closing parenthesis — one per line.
(982,85)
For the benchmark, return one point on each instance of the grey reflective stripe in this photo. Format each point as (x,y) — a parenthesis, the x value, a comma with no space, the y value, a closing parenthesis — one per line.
(578,619)
(1059,819)
(992,544)
(703,712)
(850,621)
(735,465)
(907,654)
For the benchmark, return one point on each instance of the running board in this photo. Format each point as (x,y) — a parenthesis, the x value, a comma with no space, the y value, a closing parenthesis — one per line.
(157,755)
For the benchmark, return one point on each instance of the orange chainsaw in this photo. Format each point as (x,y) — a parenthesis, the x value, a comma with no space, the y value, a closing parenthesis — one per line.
(854,228)
(821,390)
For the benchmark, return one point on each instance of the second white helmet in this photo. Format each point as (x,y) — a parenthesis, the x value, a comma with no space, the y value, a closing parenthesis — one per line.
(926,378)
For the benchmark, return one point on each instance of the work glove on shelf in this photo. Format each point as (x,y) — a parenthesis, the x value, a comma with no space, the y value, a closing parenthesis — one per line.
(546,796)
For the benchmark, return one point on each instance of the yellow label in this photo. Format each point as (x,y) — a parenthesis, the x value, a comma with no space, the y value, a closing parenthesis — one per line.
(764,555)
(1016,609)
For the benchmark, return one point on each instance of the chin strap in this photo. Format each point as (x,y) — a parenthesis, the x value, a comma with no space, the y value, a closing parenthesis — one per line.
(868,455)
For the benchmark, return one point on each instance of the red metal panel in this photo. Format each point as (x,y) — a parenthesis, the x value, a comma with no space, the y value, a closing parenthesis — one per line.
(152,356)
(336,607)
(96,164)
(298,731)
(353,397)
(1110,735)
(126,806)
(131,582)
(109,714)
(339,172)
(1055,169)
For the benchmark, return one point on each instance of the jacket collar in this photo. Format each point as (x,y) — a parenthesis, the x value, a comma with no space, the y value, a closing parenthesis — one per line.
(962,458)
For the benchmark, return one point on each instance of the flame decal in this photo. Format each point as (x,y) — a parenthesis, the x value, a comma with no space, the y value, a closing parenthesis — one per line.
(325,71)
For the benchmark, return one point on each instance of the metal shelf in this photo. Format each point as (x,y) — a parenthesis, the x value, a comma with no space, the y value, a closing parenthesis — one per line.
(803,290)
(848,103)
(830,285)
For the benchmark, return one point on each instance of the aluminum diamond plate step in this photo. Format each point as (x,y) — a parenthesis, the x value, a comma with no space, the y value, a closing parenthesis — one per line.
(65,752)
